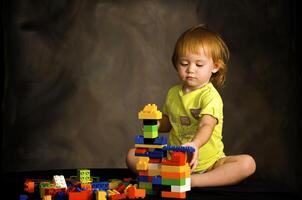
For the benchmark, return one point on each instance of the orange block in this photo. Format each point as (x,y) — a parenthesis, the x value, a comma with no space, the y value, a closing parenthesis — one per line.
(86,186)
(134,193)
(173,175)
(29,186)
(83,195)
(179,195)
(143,172)
(155,160)
(118,196)
(141,150)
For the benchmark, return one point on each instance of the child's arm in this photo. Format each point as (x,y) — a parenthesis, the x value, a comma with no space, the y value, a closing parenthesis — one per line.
(203,134)
(164,124)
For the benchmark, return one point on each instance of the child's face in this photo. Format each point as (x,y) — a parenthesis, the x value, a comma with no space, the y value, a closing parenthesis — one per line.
(195,70)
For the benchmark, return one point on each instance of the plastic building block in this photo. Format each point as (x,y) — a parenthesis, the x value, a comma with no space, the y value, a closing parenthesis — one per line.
(141,150)
(157,153)
(150,112)
(142,163)
(183,188)
(114,183)
(29,186)
(179,169)
(178,158)
(151,146)
(142,178)
(153,134)
(139,139)
(83,195)
(100,185)
(178,195)
(100,195)
(134,193)
(145,185)
(86,186)
(161,140)
(23,197)
(180,148)
(155,160)
(178,182)
(60,196)
(157,180)
(59,181)
(150,128)
(121,187)
(47,197)
(118,196)
(174,175)
(150,121)
(84,175)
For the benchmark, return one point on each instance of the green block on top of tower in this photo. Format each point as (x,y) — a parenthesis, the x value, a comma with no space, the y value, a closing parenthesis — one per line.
(150,128)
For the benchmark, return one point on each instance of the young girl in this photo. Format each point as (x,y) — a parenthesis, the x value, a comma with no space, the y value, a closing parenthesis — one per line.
(193,111)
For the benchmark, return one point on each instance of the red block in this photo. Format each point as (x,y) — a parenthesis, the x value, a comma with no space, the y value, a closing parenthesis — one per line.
(177,159)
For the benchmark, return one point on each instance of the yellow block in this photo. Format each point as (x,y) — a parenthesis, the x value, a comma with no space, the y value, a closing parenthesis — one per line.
(100,195)
(179,169)
(150,146)
(47,197)
(154,172)
(150,112)
(142,163)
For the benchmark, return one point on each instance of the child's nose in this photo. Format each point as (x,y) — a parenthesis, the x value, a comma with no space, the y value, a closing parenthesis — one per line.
(190,68)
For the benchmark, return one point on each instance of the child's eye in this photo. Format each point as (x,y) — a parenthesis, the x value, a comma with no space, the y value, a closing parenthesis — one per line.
(184,64)
(199,65)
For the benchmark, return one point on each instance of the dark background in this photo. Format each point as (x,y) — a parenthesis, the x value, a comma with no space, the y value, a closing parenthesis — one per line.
(77,72)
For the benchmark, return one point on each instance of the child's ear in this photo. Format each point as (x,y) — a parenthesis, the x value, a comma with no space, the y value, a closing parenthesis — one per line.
(216,67)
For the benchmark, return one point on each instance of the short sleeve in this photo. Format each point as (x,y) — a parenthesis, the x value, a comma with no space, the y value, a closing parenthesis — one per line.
(212,105)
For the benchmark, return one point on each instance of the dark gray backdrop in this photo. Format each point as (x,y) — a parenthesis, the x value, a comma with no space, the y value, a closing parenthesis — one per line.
(78,71)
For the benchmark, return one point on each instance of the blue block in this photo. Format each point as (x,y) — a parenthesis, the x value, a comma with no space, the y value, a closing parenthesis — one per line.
(23,197)
(142,154)
(142,178)
(156,180)
(179,148)
(139,139)
(161,140)
(157,153)
(100,186)
(61,196)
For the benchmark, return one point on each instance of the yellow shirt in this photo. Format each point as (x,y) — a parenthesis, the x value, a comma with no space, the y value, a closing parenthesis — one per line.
(184,112)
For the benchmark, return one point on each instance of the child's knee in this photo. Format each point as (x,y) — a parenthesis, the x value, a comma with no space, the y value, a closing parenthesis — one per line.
(130,155)
(248,164)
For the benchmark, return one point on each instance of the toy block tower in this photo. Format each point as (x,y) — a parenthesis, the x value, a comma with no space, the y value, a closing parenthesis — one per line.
(175,172)
(149,147)
(155,171)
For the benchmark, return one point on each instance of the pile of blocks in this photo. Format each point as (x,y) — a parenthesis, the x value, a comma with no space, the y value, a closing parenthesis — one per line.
(81,187)
(161,169)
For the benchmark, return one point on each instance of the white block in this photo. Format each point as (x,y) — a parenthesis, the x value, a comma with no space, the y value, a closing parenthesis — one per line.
(183,188)
(59,181)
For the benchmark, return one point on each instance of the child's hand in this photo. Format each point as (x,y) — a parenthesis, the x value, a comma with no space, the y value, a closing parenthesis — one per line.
(194,156)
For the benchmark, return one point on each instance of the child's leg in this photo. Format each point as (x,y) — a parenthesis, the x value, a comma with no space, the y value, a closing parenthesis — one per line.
(131,160)
(226,171)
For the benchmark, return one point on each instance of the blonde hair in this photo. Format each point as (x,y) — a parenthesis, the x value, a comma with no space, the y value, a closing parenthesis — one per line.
(213,45)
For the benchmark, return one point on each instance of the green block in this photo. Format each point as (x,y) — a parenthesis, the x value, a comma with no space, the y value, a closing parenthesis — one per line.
(84,175)
(150,192)
(178,182)
(151,128)
(45,185)
(145,185)
(150,134)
